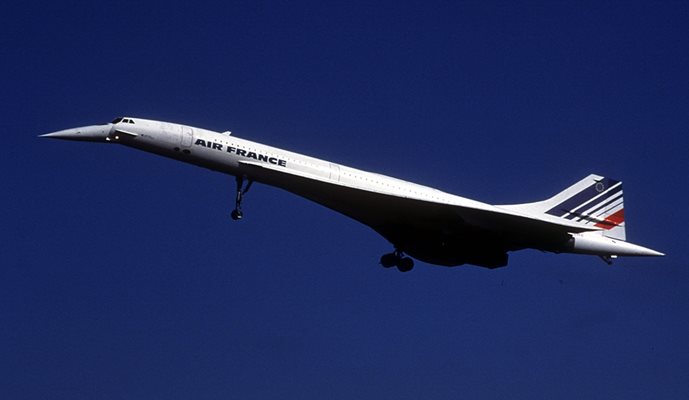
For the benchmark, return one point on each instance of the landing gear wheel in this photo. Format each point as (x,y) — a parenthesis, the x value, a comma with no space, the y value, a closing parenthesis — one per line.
(389,260)
(397,259)
(406,264)
(236,215)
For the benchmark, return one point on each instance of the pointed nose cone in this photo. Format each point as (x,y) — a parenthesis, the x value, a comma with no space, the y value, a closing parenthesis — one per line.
(653,253)
(636,250)
(95,133)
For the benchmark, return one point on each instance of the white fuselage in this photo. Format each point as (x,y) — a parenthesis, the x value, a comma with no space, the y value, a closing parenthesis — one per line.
(223,152)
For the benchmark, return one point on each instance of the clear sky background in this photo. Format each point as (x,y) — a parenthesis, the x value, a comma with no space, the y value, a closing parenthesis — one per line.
(123,277)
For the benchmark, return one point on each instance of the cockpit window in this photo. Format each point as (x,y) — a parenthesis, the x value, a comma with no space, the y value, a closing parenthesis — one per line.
(123,120)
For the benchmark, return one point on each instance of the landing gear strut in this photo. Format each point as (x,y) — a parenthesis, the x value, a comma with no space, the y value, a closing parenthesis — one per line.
(397,259)
(241,191)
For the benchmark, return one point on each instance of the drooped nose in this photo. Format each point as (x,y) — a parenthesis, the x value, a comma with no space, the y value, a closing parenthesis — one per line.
(94,133)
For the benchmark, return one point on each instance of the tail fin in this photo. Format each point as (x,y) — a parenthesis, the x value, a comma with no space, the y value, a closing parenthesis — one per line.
(594,200)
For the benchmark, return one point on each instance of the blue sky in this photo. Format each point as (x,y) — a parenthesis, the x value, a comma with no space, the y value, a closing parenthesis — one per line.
(123,277)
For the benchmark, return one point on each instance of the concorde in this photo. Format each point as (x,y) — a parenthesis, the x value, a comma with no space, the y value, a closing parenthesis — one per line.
(420,222)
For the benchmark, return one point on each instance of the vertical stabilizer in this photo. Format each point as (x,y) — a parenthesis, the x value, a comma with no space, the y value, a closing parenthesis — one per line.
(594,200)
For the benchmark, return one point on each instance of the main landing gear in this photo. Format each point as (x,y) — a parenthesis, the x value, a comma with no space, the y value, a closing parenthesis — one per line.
(241,191)
(397,259)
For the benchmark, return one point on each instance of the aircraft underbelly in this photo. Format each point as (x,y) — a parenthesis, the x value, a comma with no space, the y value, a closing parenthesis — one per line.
(431,232)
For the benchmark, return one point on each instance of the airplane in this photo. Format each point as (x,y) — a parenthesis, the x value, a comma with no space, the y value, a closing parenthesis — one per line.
(419,221)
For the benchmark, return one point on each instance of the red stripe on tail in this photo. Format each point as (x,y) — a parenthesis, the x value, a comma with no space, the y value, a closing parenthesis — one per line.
(612,221)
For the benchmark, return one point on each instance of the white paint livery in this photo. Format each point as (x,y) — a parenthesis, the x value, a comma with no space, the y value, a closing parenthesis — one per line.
(422,222)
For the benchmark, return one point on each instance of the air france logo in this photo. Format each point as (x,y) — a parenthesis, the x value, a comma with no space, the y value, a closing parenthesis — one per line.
(241,152)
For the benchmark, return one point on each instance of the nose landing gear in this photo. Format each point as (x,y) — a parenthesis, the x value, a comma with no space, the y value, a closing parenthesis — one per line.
(241,191)
(236,214)
(397,259)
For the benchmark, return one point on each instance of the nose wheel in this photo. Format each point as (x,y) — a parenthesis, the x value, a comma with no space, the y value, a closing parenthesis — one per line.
(397,259)
(237,213)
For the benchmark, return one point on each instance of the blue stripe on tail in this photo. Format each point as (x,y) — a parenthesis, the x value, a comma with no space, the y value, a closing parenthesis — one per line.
(584,196)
